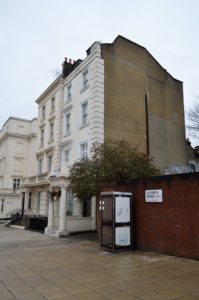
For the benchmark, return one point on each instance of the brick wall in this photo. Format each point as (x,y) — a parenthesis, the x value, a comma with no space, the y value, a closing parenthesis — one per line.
(172,226)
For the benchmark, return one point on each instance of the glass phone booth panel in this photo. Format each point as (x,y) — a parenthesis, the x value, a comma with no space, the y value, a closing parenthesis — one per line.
(106,208)
(122,221)
(116,220)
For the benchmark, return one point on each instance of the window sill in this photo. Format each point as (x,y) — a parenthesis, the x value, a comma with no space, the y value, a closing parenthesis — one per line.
(84,88)
(67,134)
(50,141)
(83,125)
(52,117)
(67,106)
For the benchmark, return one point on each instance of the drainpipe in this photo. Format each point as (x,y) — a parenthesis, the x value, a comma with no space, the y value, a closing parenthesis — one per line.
(147,124)
(23,202)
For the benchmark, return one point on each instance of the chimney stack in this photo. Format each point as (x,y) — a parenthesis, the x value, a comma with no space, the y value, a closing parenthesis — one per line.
(66,67)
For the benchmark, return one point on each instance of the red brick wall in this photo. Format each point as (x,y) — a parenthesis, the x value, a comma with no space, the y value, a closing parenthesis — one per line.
(170,227)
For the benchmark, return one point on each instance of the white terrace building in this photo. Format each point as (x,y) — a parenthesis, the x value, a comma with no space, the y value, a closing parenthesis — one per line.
(17,146)
(70,119)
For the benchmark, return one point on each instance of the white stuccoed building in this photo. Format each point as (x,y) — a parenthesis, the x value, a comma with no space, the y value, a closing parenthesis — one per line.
(17,152)
(70,119)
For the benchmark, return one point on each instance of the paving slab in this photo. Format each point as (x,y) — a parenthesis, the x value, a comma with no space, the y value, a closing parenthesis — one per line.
(34,266)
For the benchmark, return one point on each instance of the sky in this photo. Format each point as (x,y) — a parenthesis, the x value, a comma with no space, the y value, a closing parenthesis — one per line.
(36,35)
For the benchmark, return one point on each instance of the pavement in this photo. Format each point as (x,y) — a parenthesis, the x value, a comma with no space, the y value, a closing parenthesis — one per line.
(34,266)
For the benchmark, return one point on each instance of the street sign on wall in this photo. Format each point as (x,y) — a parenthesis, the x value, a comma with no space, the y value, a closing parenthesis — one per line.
(153,196)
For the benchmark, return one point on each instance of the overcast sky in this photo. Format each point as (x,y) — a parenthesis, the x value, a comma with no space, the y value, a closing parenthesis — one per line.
(36,35)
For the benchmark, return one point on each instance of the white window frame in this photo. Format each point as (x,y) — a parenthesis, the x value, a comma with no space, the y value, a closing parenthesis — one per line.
(51,132)
(16,184)
(50,159)
(85,79)
(42,137)
(43,113)
(67,93)
(84,113)
(66,152)
(52,105)
(67,155)
(67,122)
(84,149)
(40,165)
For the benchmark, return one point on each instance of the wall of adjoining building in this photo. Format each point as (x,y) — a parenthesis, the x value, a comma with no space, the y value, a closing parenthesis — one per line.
(171,226)
(143,103)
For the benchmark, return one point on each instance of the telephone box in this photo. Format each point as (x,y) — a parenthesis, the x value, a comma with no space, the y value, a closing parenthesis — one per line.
(116,220)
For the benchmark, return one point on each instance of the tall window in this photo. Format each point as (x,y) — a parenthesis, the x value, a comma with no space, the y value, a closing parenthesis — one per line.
(86,208)
(84,113)
(38,202)
(2,205)
(49,163)
(51,137)
(67,93)
(29,200)
(42,138)
(69,203)
(40,166)
(16,184)
(53,105)
(43,113)
(66,152)
(67,122)
(67,155)
(84,150)
(85,79)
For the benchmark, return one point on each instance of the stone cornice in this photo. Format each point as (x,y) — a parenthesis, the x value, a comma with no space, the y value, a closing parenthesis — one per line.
(40,153)
(41,184)
(66,143)
(51,148)
(17,135)
(51,87)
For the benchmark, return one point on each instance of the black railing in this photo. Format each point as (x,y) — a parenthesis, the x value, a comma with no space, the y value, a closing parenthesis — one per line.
(31,222)
(37,222)
(16,218)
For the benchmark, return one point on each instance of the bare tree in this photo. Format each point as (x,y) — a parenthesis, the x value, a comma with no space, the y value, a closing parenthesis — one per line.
(193,119)
(56,72)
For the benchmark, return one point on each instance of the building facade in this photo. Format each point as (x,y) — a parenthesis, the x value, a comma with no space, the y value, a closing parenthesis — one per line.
(17,152)
(70,120)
